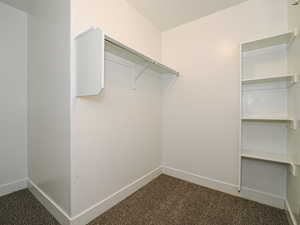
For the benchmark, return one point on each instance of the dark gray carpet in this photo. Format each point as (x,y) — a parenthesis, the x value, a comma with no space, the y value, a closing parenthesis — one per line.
(169,201)
(21,208)
(164,201)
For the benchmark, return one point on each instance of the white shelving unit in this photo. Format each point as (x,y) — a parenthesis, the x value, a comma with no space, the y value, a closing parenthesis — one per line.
(90,47)
(265,118)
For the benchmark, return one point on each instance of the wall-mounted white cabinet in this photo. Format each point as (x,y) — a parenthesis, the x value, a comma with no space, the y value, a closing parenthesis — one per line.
(90,48)
(265,118)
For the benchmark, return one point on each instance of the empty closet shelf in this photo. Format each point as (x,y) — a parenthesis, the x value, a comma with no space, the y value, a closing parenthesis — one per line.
(267,118)
(283,38)
(265,156)
(287,78)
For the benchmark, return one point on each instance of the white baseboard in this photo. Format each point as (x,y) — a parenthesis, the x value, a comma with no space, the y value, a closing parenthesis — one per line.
(89,214)
(9,188)
(96,210)
(200,180)
(290,213)
(247,193)
(60,215)
(263,197)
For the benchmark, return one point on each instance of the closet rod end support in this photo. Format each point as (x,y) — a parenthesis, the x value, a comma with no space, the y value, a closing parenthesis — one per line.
(294,124)
(293,169)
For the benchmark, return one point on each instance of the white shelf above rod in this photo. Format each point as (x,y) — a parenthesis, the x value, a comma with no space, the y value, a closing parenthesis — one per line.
(90,46)
(163,68)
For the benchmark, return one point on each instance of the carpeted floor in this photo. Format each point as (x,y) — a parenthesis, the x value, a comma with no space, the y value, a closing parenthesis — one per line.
(164,201)
(21,208)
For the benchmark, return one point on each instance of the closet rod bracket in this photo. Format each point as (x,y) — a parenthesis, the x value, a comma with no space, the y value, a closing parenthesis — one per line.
(294,124)
(293,37)
(295,79)
(139,73)
(293,169)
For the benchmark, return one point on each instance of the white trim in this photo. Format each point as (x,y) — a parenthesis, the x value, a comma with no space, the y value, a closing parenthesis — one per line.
(290,213)
(200,180)
(263,197)
(94,211)
(9,188)
(61,216)
(247,193)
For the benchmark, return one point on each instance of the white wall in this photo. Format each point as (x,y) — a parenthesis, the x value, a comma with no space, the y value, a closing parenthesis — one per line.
(13,97)
(294,107)
(115,136)
(49,99)
(201,110)
(120,21)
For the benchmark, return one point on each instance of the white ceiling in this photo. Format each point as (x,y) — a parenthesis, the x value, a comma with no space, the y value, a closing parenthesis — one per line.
(167,14)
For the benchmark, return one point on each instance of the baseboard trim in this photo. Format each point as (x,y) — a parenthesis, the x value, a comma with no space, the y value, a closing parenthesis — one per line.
(91,213)
(263,197)
(94,211)
(290,214)
(247,193)
(200,180)
(60,215)
(9,188)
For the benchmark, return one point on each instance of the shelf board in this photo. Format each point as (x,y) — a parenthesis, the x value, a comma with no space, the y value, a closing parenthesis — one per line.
(268,118)
(265,156)
(155,65)
(292,78)
(293,122)
(284,38)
